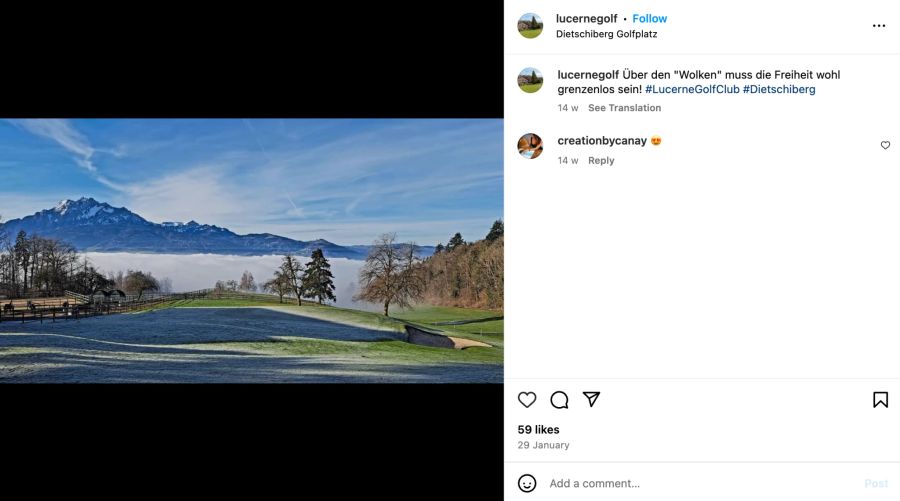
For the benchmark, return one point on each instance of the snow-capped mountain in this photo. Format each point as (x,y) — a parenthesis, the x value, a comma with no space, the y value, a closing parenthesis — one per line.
(94,226)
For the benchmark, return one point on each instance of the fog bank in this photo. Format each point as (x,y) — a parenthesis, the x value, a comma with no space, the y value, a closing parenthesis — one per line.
(190,272)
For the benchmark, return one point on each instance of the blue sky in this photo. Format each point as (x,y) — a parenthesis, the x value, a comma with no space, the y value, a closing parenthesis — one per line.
(346,181)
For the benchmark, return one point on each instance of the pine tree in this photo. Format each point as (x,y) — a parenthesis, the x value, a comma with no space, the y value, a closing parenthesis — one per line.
(496,231)
(455,241)
(318,282)
(533,77)
(438,248)
(22,257)
(534,24)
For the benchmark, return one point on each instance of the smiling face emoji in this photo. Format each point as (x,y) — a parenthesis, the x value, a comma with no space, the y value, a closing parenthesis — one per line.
(527,483)
(655,140)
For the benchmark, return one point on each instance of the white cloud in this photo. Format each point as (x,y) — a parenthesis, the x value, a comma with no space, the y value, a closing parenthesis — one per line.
(63,133)
(203,194)
(347,189)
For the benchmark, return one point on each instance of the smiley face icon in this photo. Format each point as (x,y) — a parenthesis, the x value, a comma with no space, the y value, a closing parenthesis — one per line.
(527,483)
(655,140)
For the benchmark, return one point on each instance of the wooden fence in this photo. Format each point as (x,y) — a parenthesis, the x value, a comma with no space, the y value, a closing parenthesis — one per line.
(75,311)
(74,306)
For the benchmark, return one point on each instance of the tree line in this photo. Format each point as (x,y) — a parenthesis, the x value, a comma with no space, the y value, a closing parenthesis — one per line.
(293,279)
(461,274)
(467,274)
(33,265)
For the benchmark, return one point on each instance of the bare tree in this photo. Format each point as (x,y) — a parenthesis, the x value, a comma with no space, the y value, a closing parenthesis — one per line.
(231,285)
(137,281)
(278,284)
(165,285)
(88,280)
(248,283)
(292,270)
(47,266)
(9,268)
(390,274)
(117,279)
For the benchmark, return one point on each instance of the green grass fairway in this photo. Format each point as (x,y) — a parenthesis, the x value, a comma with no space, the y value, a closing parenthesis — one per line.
(381,351)
(490,331)
(530,88)
(248,342)
(531,33)
(431,314)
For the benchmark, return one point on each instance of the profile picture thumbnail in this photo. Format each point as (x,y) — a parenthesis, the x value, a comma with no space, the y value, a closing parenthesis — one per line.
(530,25)
(530,80)
(531,146)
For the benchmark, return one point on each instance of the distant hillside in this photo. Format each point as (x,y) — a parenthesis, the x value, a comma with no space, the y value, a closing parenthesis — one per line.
(93,226)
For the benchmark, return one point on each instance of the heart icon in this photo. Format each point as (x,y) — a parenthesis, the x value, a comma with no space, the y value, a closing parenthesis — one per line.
(527,398)
(885,144)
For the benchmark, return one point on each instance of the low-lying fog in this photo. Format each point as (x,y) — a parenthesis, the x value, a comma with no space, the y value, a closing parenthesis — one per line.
(190,272)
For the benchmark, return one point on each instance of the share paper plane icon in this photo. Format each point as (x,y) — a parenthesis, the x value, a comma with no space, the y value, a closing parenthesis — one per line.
(591,396)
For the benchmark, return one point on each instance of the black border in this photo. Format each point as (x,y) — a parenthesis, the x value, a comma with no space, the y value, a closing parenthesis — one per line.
(406,441)
(409,61)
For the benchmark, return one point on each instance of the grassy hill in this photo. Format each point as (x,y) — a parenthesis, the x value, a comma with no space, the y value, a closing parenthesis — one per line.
(435,318)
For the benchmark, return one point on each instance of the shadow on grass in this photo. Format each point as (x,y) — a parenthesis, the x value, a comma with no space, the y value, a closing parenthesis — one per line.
(184,326)
(172,365)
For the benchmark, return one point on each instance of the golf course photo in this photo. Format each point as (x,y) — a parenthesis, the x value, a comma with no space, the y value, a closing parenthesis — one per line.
(252,340)
(530,25)
(530,80)
(343,260)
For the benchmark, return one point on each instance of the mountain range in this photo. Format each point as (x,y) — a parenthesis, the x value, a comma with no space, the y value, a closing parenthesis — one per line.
(93,226)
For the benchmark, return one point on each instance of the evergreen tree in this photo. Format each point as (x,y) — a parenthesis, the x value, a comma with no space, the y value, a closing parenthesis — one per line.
(438,248)
(22,257)
(455,241)
(534,24)
(496,231)
(533,77)
(318,282)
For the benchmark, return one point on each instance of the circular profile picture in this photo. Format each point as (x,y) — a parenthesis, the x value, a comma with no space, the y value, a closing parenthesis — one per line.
(531,146)
(530,25)
(530,80)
